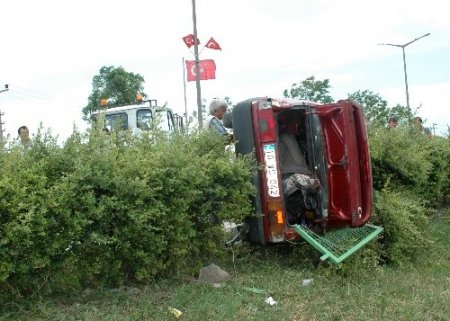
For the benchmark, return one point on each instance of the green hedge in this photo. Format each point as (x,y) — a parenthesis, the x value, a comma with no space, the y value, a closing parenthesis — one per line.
(405,158)
(411,174)
(110,209)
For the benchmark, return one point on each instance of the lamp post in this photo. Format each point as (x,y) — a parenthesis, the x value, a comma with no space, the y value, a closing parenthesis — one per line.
(6,88)
(404,61)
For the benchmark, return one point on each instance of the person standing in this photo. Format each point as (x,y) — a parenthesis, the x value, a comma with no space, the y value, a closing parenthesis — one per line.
(423,130)
(392,123)
(24,135)
(217,110)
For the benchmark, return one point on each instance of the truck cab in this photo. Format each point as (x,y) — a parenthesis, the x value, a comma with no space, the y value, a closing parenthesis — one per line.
(141,116)
(332,141)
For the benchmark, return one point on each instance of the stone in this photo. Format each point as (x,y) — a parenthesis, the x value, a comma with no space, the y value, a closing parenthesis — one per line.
(213,274)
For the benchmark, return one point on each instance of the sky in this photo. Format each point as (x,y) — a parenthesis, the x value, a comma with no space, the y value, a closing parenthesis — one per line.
(51,49)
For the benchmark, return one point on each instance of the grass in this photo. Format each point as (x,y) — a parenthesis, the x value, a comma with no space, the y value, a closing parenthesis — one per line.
(420,293)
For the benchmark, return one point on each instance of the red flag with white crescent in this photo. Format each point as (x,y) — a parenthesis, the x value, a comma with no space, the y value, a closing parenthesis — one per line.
(212,44)
(207,69)
(189,40)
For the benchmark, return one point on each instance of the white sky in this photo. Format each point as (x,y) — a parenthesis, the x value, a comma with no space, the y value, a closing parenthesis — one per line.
(51,49)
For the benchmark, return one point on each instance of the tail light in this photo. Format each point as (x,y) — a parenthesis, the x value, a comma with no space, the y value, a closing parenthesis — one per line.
(276,220)
(266,124)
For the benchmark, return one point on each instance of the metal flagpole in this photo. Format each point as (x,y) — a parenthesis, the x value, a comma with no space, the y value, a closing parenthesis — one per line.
(184,90)
(197,69)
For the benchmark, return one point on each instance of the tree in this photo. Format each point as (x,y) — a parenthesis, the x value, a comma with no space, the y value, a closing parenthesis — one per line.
(229,102)
(310,89)
(402,113)
(115,84)
(375,108)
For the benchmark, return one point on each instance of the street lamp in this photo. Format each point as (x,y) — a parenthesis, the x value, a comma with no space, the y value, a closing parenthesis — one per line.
(6,88)
(404,61)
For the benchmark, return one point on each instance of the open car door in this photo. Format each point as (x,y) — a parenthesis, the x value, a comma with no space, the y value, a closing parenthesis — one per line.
(347,158)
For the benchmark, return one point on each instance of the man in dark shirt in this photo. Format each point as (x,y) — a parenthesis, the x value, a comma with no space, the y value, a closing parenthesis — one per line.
(24,135)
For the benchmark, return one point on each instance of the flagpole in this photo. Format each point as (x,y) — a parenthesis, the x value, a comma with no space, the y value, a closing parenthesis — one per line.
(197,69)
(184,90)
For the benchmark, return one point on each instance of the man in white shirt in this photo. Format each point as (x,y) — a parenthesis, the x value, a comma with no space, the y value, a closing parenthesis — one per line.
(217,108)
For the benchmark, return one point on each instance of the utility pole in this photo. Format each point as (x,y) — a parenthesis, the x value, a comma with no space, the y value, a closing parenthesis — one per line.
(1,126)
(404,62)
(197,68)
(1,114)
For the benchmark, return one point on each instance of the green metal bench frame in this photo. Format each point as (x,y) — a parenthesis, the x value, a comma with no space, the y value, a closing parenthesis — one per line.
(339,244)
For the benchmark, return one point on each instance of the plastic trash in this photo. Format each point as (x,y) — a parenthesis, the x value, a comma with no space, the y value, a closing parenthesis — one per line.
(256,290)
(307,282)
(270,301)
(177,313)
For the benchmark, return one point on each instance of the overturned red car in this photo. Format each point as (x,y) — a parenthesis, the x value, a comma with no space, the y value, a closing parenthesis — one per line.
(314,168)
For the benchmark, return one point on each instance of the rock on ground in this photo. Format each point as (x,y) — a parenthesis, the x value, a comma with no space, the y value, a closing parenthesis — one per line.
(213,274)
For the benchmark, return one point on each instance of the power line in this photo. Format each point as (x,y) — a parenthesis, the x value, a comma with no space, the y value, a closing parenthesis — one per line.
(25,94)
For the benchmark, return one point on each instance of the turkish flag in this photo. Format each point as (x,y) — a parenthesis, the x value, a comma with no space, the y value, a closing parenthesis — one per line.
(189,40)
(212,44)
(207,69)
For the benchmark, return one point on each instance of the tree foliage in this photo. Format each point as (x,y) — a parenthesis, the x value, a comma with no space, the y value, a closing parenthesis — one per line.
(115,84)
(375,108)
(310,89)
(402,113)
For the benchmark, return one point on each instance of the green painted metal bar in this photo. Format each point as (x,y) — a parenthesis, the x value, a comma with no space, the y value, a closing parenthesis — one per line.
(330,246)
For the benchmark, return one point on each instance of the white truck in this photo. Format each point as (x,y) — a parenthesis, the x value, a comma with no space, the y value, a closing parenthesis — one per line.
(141,116)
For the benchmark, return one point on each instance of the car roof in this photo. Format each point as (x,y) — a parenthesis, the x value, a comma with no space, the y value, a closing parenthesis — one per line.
(145,105)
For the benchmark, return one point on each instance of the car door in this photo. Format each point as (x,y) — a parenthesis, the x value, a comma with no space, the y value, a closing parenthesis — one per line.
(347,157)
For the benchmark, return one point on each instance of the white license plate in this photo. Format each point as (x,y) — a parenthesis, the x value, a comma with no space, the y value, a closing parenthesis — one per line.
(270,161)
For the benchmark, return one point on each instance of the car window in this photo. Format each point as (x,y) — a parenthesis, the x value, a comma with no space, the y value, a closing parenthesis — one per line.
(144,119)
(116,121)
(165,120)
(318,155)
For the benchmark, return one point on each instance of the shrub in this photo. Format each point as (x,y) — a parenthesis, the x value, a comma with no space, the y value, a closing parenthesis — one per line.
(399,157)
(436,190)
(110,209)
(403,158)
(410,174)
(405,238)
